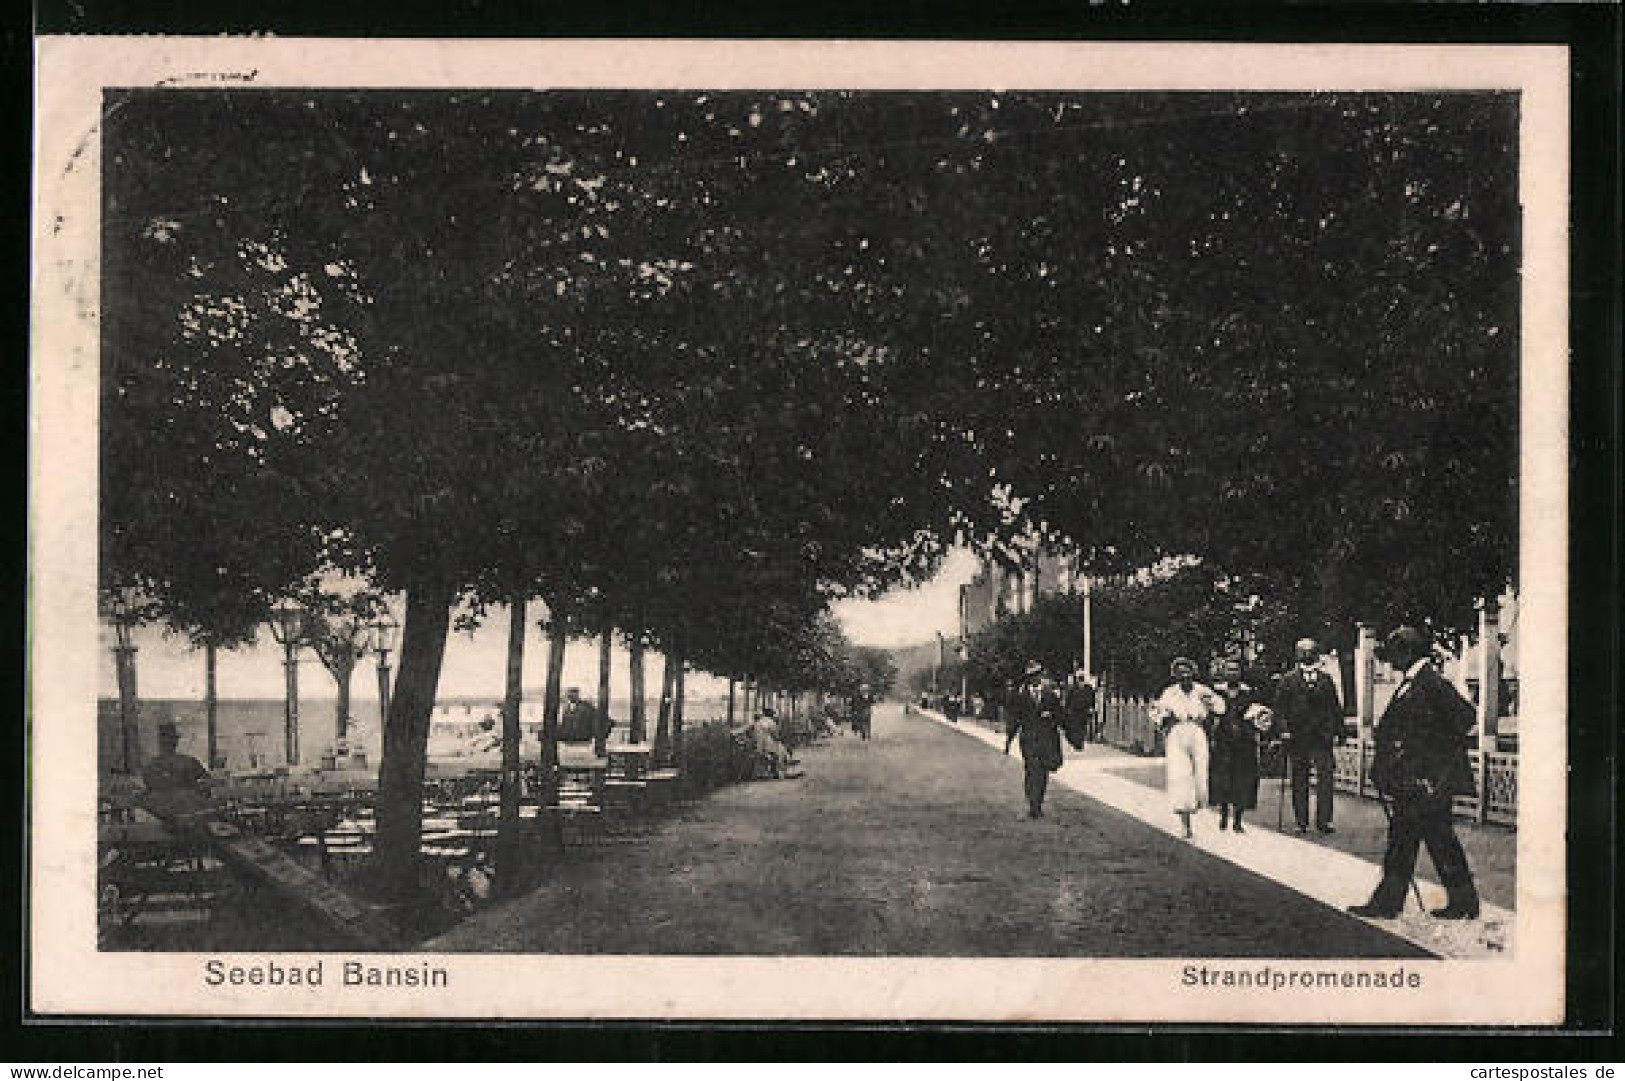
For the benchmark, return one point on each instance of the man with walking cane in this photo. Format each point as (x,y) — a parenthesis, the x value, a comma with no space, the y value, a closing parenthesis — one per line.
(1309,716)
(1420,763)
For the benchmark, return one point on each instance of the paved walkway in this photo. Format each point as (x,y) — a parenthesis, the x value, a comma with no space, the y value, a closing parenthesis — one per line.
(1308,865)
(914,844)
(1362,831)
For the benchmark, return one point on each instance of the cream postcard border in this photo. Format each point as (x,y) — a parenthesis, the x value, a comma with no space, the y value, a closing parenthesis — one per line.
(68,974)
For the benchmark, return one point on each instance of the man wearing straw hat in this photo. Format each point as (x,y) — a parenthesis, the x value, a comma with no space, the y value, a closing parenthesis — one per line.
(1035,717)
(175,782)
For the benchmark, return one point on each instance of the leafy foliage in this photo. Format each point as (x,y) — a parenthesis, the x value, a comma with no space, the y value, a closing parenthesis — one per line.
(1139,624)
(693,365)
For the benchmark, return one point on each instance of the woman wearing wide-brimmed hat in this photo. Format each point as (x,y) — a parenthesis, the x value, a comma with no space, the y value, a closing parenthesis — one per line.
(1184,710)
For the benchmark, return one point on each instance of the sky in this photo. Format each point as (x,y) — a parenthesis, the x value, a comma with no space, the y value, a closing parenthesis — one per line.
(474,664)
(910,617)
(474,667)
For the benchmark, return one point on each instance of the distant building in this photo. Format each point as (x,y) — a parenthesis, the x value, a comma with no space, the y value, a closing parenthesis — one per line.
(996,592)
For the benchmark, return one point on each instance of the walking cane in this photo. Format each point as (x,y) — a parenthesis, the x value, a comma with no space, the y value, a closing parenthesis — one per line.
(1280,787)
(1388,816)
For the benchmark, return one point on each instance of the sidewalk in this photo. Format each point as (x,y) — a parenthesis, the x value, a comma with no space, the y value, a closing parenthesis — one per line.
(1328,873)
(1362,831)
(913,844)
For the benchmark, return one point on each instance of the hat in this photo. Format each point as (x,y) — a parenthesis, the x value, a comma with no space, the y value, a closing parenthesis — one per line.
(1034,668)
(1413,640)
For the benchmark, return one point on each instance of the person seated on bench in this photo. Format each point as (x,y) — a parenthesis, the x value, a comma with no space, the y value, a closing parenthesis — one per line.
(176,783)
(761,737)
(580,721)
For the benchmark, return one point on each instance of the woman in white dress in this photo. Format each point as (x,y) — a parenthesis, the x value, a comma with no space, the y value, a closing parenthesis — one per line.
(1184,710)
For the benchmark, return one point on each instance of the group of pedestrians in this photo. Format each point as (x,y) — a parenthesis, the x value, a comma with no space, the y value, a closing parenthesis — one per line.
(1214,739)
(1215,735)
(1228,726)
(1419,763)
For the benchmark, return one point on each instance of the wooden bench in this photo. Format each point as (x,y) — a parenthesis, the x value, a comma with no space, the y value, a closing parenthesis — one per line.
(254,861)
(580,805)
(145,871)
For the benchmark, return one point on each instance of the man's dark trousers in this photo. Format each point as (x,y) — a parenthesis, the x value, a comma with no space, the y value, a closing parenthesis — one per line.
(1417,821)
(1037,785)
(1300,763)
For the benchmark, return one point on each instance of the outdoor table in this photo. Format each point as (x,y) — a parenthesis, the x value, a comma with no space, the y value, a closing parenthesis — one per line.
(581,756)
(453,844)
(630,760)
(135,833)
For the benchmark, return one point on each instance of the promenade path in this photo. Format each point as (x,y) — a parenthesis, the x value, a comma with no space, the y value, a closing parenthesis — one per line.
(1328,872)
(912,844)
(1362,831)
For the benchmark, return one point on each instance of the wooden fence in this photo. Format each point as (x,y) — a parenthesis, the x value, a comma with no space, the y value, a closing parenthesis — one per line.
(1126,724)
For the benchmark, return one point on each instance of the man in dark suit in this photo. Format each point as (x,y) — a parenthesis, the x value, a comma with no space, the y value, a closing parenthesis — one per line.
(863,712)
(1034,715)
(1309,720)
(1419,764)
(1079,700)
(580,722)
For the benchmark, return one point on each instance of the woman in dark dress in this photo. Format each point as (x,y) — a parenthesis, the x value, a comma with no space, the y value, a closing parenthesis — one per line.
(1233,748)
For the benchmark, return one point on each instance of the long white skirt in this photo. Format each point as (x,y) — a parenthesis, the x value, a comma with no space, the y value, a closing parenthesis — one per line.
(1187,766)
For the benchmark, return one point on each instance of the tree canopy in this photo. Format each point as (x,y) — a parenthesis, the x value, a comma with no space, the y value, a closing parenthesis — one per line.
(694,364)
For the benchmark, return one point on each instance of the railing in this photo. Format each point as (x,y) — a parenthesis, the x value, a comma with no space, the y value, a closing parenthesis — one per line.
(1125,723)
(1498,776)
(1496,799)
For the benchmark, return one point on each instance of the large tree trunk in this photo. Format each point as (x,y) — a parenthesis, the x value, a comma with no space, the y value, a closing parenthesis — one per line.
(639,724)
(341,710)
(336,649)
(668,680)
(129,712)
(211,702)
(731,683)
(406,737)
(508,846)
(557,640)
(606,646)
(677,711)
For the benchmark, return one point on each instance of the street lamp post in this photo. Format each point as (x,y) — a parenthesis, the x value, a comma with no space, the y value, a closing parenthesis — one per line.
(124,649)
(383,641)
(288,628)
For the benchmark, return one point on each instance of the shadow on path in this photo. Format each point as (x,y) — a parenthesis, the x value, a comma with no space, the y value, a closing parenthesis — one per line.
(912,844)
